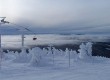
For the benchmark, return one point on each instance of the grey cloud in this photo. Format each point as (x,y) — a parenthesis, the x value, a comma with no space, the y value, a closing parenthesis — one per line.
(64,15)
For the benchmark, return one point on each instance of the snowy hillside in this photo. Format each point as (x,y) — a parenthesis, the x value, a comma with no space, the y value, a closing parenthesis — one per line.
(54,64)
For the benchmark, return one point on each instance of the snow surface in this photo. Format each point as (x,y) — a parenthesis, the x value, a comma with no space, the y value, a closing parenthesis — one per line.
(93,68)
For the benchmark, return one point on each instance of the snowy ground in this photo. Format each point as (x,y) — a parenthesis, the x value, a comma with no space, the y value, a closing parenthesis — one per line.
(95,68)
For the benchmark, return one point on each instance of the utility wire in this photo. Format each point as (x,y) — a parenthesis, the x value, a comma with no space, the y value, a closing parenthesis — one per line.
(23,27)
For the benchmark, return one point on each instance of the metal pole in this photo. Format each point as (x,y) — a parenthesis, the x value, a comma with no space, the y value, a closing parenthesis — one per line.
(0,53)
(53,54)
(22,36)
(69,58)
(0,41)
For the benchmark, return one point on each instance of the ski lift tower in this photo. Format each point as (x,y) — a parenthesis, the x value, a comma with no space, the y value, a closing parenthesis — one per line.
(2,22)
(1,51)
(22,30)
(22,38)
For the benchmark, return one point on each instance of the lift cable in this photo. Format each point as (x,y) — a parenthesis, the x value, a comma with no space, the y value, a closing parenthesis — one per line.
(23,27)
(3,21)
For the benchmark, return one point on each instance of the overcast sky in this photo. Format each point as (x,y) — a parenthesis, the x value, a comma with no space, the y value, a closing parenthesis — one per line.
(59,15)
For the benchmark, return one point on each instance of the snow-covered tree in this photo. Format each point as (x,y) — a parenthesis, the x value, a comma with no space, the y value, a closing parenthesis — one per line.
(73,55)
(17,55)
(89,48)
(44,52)
(85,50)
(49,51)
(36,56)
(82,51)
(55,51)
(67,52)
(23,53)
(22,57)
(61,52)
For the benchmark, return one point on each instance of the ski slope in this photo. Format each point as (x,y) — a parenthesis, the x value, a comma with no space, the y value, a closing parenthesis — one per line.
(96,68)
